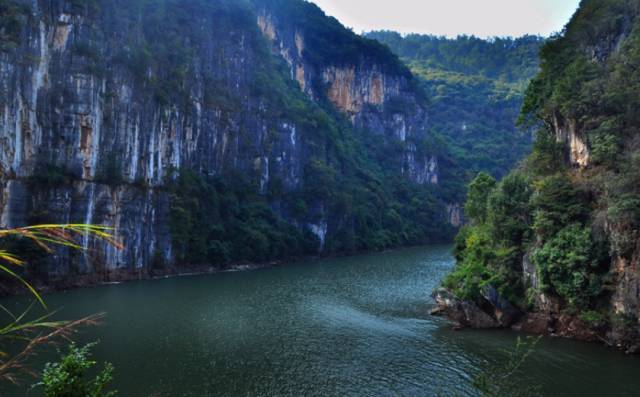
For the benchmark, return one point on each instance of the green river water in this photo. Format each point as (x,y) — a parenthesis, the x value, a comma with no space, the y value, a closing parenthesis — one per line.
(356,326)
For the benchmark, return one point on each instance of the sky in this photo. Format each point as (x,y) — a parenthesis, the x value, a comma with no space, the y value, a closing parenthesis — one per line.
(483,18)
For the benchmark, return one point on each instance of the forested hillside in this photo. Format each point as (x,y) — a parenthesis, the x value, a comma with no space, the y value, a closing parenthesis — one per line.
(558,239)
(476,89)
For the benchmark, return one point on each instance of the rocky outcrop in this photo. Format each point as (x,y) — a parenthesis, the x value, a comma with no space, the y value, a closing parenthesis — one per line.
(568,134)
(491,311)
(464,314)
(625,303)
(456,218)
(350,91)
(548,315)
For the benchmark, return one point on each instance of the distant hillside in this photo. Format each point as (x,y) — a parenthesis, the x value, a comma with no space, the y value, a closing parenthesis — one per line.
(476,89)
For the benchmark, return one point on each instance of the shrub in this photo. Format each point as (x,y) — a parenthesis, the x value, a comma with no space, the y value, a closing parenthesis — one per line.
(605,142)
(68,378)
(50,175)
(595,319)
(472,271)
(570,265)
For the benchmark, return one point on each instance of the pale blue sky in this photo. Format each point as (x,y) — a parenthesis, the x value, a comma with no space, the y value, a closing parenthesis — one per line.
(484,18)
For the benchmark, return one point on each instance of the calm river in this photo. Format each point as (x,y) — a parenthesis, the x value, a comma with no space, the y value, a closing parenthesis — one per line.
(356,326)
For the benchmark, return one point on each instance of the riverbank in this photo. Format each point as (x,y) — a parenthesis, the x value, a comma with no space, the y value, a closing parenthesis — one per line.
(496,313)
(12,288)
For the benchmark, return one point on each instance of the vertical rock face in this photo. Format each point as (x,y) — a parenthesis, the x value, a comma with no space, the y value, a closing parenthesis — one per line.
(350,91)
(626,299)
(373,96)
(568,134)
(60,115)
(455,215)
(91,127)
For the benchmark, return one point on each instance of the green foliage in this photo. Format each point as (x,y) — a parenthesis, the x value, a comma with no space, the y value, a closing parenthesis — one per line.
(477,197)
(623,204)
(347,182)
(557,204)
(500,58)
(571,265)
(68,378)
(595,319)
(508,210)
(110,170)
(547,155)
(93,61)
(578,218)
(604,147)
(473,271)
(624,321)
(575,92)
(484,260)
(220,221)
(160,53)
(589,80)
(82,7)
(50,175)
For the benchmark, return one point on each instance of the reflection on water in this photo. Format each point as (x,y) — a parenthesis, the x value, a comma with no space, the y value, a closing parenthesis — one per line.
(355,326)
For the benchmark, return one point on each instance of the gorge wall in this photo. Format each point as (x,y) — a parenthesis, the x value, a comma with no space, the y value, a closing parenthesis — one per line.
(105,106)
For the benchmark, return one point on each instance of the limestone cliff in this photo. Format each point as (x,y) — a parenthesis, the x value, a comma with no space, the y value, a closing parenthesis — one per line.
(102,102)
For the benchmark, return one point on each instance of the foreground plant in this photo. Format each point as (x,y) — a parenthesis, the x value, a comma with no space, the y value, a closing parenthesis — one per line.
(67,378)
(33,334)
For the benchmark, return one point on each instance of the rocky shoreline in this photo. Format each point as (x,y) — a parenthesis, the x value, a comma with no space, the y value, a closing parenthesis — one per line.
(494,312)
(124,276)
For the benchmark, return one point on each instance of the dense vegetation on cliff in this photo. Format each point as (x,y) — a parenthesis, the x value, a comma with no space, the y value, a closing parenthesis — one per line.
(476,89)
(559,235)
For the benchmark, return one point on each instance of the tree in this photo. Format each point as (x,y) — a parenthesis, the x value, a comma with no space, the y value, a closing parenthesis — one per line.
(479,190)
(556,204)
(508,210)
